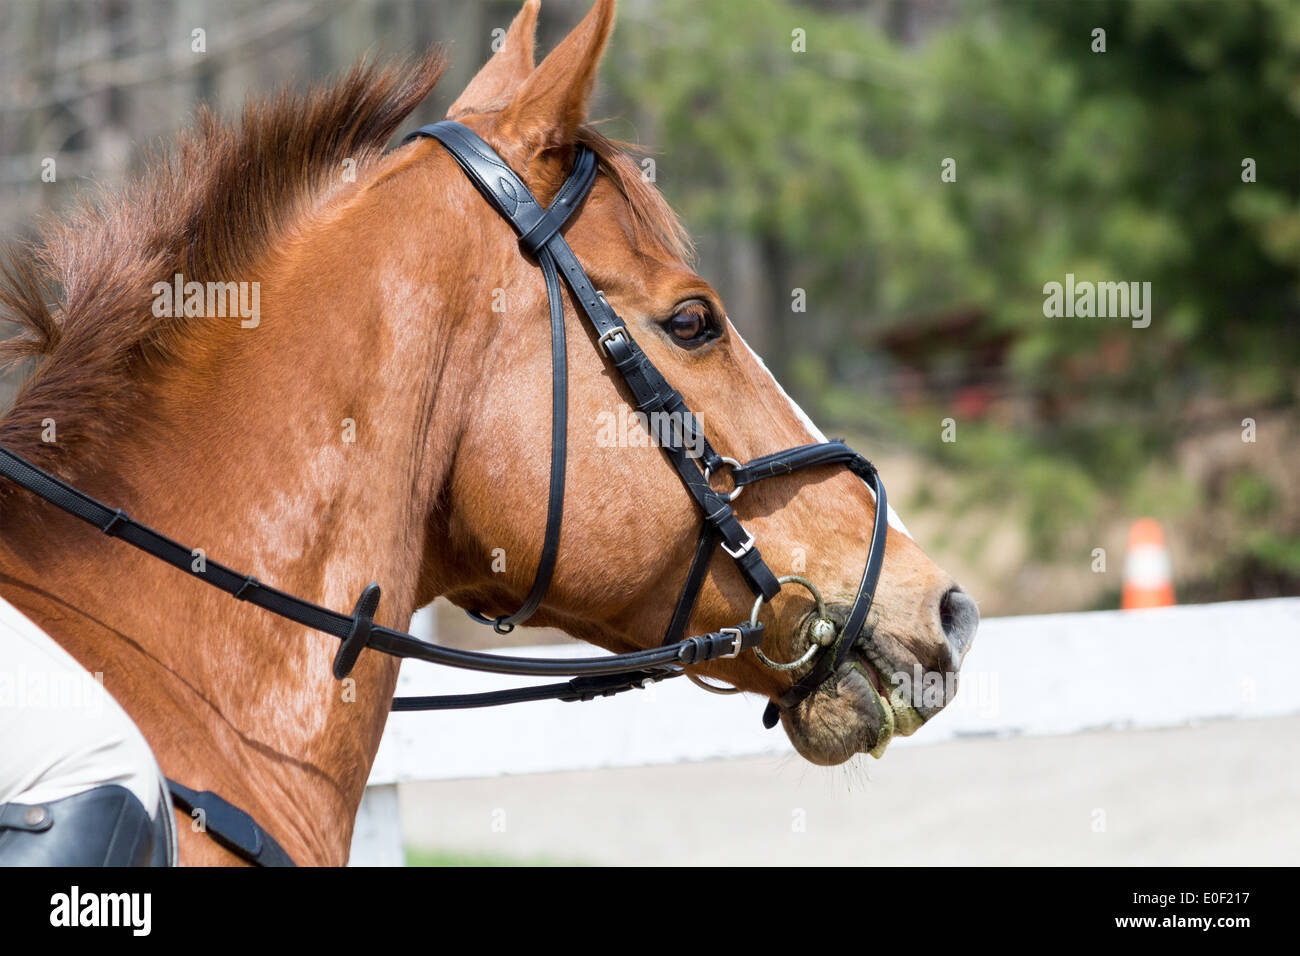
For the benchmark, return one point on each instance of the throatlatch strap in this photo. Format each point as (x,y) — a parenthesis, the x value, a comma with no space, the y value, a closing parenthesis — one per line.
(559,454)
(537,228)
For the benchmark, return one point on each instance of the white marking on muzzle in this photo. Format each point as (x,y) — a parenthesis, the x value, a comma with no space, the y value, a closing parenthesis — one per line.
(816,433)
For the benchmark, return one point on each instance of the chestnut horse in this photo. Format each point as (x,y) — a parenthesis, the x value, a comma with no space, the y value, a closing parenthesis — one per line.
(386,416)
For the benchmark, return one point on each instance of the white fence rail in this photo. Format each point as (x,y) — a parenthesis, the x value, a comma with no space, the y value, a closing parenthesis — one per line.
(1049,674)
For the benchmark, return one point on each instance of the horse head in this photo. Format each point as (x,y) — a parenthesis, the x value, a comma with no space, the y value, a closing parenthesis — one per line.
(630,530)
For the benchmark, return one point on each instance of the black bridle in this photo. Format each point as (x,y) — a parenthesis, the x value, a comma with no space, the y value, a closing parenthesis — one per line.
(540,236)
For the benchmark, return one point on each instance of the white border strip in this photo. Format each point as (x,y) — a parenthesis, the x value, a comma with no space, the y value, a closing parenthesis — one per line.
(1051,674)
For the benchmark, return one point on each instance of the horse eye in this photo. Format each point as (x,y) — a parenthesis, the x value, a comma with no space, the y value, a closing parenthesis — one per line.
(690,325)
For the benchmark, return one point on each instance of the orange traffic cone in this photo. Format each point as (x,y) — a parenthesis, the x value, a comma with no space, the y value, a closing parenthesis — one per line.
(1148,572)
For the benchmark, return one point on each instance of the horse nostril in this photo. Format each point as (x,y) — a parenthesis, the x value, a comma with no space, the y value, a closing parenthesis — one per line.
(960,618)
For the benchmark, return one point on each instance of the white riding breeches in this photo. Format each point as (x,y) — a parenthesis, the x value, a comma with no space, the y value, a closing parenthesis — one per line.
(61,731)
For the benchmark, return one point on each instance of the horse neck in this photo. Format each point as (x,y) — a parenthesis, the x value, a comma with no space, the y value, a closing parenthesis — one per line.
(307,451)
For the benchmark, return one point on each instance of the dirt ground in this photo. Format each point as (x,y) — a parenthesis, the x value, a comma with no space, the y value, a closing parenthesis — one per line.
(1217,793)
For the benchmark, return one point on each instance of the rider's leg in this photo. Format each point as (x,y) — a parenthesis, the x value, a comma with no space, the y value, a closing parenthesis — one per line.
(79,785)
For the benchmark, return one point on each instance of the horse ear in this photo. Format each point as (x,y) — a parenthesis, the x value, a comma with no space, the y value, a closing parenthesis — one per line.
(552,103)
(495,84)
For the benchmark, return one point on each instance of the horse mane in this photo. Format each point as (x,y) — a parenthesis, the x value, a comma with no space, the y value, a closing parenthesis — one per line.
(210,209)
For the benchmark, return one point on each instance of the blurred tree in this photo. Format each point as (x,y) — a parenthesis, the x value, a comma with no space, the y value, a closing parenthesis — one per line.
(820,138)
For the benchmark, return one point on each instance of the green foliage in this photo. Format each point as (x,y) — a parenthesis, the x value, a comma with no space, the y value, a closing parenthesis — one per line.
(1275,551)
(1251,495)
(1123,166)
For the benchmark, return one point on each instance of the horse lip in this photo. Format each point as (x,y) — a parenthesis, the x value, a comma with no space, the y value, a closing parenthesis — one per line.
(879,716)
(872,671)
(889,718)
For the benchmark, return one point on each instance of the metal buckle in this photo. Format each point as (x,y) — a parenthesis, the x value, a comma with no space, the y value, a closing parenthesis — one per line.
(616,330)
(744,548)
(737,646)
(735,492)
